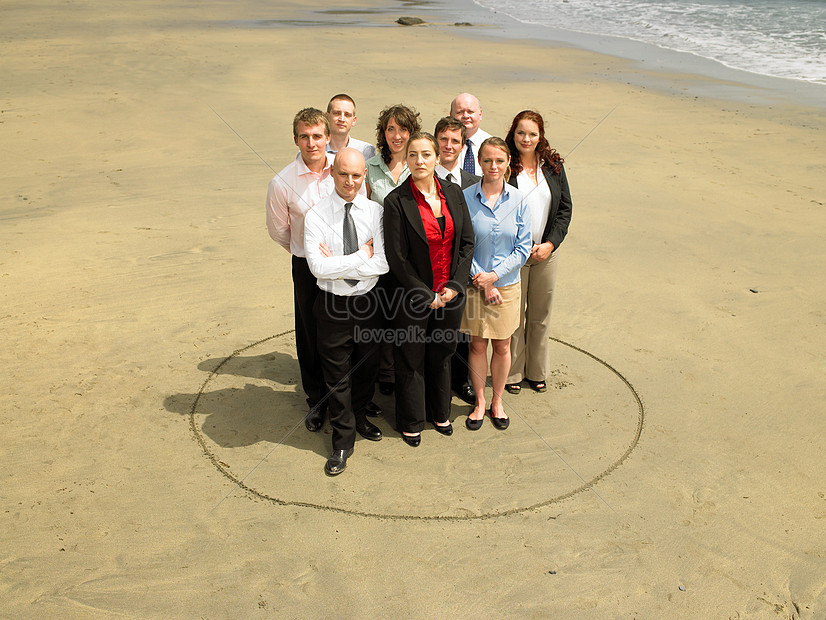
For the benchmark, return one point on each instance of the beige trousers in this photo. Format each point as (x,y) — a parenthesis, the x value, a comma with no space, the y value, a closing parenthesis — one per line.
(529,343)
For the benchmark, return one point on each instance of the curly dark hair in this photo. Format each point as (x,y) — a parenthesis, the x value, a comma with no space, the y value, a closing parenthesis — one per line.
(405,117)
(543,150)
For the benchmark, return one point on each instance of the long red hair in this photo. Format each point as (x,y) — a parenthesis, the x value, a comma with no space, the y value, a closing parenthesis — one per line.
(544,151)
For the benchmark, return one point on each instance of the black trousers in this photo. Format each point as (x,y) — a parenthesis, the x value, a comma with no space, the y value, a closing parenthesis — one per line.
(425,341)
(305,292)
(387,288)
(459,373)
(348,343)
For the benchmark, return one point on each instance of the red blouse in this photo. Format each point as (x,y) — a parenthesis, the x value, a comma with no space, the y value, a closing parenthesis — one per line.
(441,244)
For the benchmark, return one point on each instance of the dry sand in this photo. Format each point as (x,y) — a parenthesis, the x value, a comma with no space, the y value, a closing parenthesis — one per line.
(135,260)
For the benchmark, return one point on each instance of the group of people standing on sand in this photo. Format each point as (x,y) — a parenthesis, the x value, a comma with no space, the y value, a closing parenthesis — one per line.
(410,258)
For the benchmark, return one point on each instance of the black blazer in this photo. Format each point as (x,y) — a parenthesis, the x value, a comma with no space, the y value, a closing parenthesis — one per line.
(407,250)
(559,215)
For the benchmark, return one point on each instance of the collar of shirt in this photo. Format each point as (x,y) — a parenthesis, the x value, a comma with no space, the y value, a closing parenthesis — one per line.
(456,172)
(338,202)
(419,196)
(480,136)
(329,148)
(303,169)
(379,162)
(480,195)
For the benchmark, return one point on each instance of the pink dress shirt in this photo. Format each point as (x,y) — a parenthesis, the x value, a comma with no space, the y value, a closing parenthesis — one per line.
(291,193)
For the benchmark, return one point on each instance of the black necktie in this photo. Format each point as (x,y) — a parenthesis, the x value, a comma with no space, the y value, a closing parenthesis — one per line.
(351,243)
(450,177)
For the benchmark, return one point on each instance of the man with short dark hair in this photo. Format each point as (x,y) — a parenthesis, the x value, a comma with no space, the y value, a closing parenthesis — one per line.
(467,109)
(291,193)
(341,114)
(450,134)
(344,242)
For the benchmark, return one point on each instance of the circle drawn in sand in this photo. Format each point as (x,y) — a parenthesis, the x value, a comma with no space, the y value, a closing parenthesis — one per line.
(559,444)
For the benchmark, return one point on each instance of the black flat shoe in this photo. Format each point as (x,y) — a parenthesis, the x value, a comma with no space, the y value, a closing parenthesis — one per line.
(372,410)
(474,425)
(337,462)
(314,419)
(367,429)
(499,423)
(513,388)
(446,430)
(412,441)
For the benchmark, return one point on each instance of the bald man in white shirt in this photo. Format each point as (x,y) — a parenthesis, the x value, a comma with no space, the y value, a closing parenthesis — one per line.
(467,109)
(344,242)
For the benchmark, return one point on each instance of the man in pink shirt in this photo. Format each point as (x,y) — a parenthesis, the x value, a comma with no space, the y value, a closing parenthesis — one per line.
(291,193)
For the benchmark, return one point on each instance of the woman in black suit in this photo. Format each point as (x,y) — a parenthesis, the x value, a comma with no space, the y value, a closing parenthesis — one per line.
(537,170)
(429,247)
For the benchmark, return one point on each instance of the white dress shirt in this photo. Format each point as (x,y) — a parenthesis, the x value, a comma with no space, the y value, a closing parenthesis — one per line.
(456,173)
(324,223)
(291,193)
(368,150)
(538,197)
(475,142)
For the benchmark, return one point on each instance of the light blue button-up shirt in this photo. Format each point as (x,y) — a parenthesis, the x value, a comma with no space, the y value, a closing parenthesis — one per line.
(502,233)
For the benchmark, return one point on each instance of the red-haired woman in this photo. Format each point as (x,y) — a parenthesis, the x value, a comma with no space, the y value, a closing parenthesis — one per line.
(537,170)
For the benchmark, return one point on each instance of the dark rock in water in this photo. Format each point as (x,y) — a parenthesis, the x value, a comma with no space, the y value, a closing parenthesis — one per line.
(409,21)
(462,24)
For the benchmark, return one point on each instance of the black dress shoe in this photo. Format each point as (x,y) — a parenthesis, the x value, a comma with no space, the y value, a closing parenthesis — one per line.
(413,440)
(367,429)
(500,423)
(337,462)
(372,410)
(444,430)
(467,393)
(386,387)
(314,419)
(474,425)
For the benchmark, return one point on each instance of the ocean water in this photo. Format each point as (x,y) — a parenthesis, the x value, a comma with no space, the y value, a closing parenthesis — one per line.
(780,38)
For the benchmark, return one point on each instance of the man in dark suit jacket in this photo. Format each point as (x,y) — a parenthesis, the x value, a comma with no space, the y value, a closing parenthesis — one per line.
(451,134)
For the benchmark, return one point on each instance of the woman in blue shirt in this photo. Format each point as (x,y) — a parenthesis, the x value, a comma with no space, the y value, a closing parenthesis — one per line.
(502,232)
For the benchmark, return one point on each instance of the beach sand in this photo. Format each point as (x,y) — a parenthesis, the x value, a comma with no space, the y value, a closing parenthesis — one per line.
(673,470)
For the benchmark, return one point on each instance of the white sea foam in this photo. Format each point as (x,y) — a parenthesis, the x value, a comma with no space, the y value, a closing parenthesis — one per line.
(781,38)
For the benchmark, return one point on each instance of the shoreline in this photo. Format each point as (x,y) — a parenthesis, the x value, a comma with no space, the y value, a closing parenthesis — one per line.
(652,66)
(650,56)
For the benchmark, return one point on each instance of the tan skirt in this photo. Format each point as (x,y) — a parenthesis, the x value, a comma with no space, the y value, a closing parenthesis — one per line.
(492,321)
